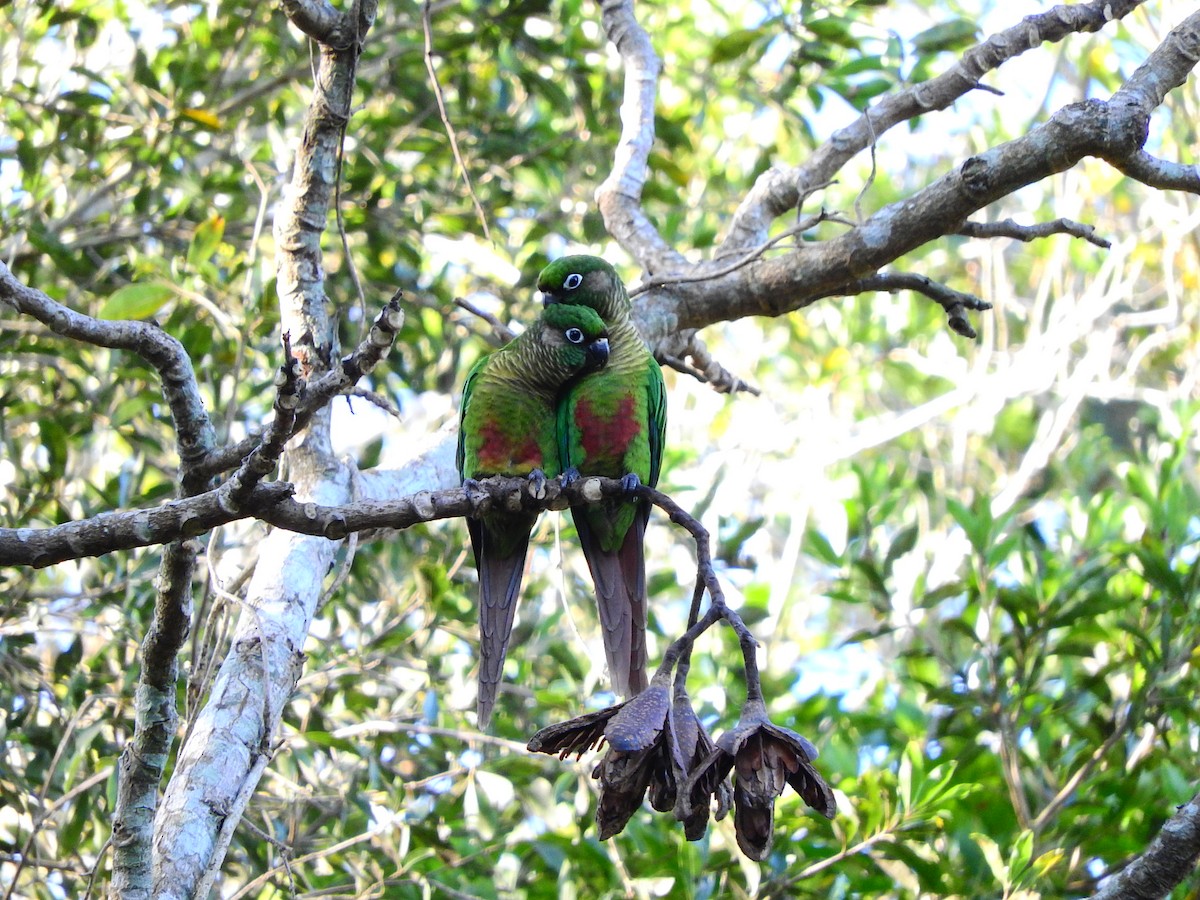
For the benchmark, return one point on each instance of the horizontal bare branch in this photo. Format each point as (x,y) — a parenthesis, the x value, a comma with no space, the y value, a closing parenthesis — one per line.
(1027,233)
(1160,173)
(272,503)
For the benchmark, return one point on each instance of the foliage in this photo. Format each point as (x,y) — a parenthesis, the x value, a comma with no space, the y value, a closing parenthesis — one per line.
(981,609)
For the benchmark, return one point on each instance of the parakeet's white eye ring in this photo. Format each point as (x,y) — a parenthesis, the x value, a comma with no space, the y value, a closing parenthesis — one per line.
(574,335)
(573,281)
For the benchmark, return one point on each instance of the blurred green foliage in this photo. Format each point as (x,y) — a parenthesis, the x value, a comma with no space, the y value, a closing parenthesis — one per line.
(971,567)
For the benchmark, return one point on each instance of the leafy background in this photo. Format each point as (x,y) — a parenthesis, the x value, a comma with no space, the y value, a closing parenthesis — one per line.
(971,565)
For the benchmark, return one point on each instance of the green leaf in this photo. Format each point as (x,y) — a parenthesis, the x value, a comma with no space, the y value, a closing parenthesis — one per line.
(952,35)
(206,240)
(136,301)
(735,44)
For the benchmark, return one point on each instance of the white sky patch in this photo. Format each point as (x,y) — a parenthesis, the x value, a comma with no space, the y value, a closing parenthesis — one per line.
(485,263)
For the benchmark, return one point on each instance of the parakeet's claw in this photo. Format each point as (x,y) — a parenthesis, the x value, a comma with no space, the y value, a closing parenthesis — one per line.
(570,476)
(474,491)
(537,483)
(630,482)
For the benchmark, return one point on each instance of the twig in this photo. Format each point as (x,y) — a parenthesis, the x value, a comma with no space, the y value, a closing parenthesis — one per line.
(96,868)
(955,303)
(321,390)
(651,282)
(427,24)
(499,329)
(687,343)
(376,399)
(706,580)
(289,388)
(1119,732)
(1028,233)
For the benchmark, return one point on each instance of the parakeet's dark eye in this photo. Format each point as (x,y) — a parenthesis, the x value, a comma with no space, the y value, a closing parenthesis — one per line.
(574,335)
(572,281)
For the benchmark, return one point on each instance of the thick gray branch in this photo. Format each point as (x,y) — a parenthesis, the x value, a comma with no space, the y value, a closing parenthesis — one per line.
(224,755)
(319,20)
(1113,131)
(778,191)
(1169,859)
(619,197)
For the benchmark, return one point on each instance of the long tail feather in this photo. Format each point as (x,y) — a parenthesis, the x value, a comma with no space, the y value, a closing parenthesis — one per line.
(633,567)
(499,588)
(620,580)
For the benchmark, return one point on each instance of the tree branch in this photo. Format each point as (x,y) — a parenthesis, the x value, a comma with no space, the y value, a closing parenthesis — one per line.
(955,303)
(1167,861)
(222,758)
(619,196)
(778,191)
(194,433)
(273,503)
(1028,233)
(1113,131)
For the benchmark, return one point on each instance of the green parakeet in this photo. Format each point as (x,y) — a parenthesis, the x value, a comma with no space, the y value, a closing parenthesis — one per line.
(611,423)
(507,426)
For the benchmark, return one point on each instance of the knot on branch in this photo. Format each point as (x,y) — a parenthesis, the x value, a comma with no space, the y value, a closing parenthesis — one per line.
(976,176)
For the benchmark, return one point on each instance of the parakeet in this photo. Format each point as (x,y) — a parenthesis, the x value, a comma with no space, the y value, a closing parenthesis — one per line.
(507,426)
(611,423)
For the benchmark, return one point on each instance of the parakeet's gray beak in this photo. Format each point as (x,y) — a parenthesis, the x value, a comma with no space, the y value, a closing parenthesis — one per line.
(547,298)
(597,354)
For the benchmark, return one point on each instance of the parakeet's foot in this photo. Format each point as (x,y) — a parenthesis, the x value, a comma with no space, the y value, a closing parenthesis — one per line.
(537,483)
(474,491)
(570,476)
(630,482)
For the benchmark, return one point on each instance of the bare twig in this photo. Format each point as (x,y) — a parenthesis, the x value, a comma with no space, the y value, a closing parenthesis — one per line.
(376,399)
(1027,233)
(233,816)
(500,331)
(664,280)
(320,390)
(955,303)
(687,344)
(289,387)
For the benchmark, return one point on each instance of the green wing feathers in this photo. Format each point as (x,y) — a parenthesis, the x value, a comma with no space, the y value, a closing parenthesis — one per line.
(613,424)
(507,427)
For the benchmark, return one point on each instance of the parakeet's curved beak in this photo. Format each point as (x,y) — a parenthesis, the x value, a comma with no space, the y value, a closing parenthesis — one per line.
(597,354)
(547,298)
